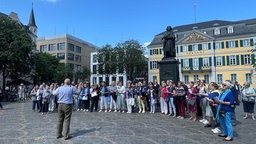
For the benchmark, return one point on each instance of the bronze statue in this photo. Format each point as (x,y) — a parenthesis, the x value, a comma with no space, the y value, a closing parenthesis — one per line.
(169,43)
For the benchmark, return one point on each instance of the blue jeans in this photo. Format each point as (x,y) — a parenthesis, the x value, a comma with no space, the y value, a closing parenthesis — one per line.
(226,124)
(152,105)
(233,117)
(79,105)
(34,104)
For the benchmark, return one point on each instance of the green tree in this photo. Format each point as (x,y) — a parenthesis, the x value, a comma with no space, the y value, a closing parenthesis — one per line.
(82,75)
(16,49)
(46,66)
(126,57)
(63,71)
(131,55)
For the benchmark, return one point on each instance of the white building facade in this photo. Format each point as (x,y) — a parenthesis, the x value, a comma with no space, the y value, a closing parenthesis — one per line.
(96,78)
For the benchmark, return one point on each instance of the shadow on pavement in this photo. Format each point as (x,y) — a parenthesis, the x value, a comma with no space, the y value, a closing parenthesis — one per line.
(82,132)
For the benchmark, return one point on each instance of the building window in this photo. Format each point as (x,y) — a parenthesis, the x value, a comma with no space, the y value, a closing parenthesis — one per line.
(246,42)
(70,47)
(207,79)
(78,58)
(52,47)
(70,56)
(232,60)
(233,78)
(195,64)
(196,77)
(186,63)
(61,56)
(231,44)
(78,67)
(205,46)
(248,78)
(78,49)
(94,69)
(194,47)
(154,52)
(43,48)
(185,48)
(219,61)
(247,59)
(94,80)
(230,29)
(219,78)
(216,31)
(71,66)
(218,45)
(206,61)
(94,58)
(186,79)
(61,46)
(154,65)
(154,78)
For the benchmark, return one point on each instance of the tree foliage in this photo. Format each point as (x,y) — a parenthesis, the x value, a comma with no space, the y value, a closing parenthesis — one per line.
(62,71)
(82,75)
(126,57)
(46,67)
(16,55)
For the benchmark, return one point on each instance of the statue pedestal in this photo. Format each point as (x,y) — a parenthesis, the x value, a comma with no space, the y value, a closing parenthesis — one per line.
(169,70)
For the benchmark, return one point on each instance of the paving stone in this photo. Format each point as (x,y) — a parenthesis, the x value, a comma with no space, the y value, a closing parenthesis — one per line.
(19,124)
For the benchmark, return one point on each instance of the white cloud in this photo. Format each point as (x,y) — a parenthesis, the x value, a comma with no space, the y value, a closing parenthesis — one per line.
(52,1)
(146,44)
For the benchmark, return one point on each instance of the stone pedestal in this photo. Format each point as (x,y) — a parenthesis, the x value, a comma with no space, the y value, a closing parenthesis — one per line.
(169,70)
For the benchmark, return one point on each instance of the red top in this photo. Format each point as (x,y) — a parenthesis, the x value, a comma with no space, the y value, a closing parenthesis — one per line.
(164,92)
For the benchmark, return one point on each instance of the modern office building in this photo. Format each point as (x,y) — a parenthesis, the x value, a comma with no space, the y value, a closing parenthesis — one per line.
(96,78)
(213,50)
(70,50)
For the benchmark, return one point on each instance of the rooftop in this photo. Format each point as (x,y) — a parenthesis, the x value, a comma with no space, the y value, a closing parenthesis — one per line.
(67,36)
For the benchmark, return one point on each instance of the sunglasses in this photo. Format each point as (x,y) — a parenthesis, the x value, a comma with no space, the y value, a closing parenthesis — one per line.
(224,85)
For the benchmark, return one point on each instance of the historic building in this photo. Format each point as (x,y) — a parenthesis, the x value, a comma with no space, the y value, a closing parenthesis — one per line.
(96,78)
(214,51)
(69,49)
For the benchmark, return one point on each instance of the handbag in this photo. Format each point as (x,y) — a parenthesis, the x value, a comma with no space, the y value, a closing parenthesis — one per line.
(222,113)
(191,102)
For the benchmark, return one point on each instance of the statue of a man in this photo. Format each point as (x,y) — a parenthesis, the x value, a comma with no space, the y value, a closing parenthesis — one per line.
(169,43)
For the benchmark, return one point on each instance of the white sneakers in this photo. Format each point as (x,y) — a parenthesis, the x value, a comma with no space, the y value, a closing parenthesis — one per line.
(204,121)
(216,130)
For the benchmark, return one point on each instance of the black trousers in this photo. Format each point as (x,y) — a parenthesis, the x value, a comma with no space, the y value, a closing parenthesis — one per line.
(45,107)
(94,103)
(85,104)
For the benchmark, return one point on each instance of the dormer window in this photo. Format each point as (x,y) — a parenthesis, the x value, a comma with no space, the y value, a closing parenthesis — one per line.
(216,31)
(230,29)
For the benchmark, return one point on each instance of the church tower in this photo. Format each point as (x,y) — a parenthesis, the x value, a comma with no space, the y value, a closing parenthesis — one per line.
(32,26)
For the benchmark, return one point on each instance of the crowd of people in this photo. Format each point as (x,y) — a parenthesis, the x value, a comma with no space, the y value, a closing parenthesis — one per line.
(214,104)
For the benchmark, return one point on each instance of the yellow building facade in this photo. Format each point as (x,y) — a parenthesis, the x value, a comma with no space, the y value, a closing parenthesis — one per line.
(214,51)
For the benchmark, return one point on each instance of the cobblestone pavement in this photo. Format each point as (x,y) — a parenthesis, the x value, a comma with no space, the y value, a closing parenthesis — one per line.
(19,124)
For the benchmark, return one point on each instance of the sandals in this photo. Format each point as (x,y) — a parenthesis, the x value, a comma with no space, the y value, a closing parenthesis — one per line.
(229,139)
(222,135)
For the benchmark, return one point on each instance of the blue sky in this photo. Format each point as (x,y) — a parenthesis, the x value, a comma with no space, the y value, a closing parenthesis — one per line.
(103,22)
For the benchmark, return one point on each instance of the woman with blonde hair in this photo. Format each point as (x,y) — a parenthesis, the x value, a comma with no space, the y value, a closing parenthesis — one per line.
(248,98)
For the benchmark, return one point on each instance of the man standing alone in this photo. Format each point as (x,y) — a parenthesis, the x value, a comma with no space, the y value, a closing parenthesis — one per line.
(65,102)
